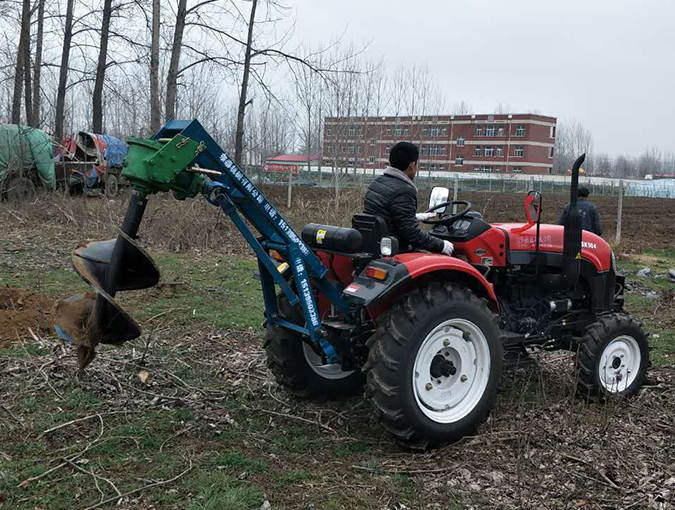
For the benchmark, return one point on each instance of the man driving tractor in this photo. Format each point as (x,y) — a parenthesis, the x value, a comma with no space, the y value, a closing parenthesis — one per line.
(393,196)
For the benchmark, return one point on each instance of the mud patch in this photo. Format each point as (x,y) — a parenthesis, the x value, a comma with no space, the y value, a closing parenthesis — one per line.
(21,311)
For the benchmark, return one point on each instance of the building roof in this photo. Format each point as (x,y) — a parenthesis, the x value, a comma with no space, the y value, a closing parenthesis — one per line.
(291,158)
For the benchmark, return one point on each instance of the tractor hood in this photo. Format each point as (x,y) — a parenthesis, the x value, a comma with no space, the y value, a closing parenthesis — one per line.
(593,248)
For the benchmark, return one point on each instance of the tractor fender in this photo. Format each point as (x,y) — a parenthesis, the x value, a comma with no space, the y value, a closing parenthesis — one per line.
(411,270)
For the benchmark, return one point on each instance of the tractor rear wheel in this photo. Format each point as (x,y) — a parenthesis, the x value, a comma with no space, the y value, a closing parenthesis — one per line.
(434,365)
(111,186)
(613,357)
(299,369)
(21,188)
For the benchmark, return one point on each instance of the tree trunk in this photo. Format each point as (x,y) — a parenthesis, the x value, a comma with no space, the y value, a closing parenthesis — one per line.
(63,73)
(25,34)
(172,79)
(239,141)
(18,83)
(154,70)
(97,101)
(22,64)
(38,64)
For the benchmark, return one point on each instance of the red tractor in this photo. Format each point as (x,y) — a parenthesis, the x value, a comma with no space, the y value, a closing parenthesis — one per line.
(434,331)
(426,334)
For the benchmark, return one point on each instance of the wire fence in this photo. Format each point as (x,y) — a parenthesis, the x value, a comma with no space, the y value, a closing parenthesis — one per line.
(548,184)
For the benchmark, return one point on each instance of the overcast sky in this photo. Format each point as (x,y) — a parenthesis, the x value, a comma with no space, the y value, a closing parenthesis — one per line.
(609,64)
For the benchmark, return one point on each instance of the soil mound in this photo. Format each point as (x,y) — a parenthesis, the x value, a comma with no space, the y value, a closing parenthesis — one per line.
(21,310)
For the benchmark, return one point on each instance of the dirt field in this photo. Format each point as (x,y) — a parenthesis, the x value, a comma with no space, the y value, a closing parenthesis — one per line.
(189,417)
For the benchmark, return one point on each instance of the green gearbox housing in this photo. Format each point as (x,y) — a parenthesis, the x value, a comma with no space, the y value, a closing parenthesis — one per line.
(152,166)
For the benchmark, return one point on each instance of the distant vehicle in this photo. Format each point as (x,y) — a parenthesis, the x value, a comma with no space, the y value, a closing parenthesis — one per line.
(26,162)
(91,162)
(663,176)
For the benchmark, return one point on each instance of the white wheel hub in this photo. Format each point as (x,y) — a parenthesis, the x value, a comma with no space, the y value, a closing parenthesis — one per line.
(451,371)
(619,364)
(327,371)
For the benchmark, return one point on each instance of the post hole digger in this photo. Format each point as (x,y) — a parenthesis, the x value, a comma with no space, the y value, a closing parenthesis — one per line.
(425,334)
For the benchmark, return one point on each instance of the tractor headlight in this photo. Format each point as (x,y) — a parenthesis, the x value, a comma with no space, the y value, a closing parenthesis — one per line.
(388,246)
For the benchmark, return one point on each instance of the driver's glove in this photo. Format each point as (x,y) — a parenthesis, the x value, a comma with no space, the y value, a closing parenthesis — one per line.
(425,216)
(448,248)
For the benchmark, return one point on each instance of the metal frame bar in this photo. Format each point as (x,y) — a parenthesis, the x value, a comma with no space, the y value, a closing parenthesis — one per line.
(240,199)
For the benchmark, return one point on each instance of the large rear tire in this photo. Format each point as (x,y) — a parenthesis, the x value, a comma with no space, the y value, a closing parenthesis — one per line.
(613,358)
(434,365)
(299,369)
(112,186)
(21,188)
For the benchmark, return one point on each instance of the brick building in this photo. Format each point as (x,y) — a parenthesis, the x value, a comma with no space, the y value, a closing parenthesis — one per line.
(508,143)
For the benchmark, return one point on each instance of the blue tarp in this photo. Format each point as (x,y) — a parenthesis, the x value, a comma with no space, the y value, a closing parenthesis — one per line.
(115,151)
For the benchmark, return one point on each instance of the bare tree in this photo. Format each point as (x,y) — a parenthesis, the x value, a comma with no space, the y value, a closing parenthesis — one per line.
(21,64)
(37,78)
(172,77)
(239,142)
(461,108)
(154,69)
(97,99)
(63,72)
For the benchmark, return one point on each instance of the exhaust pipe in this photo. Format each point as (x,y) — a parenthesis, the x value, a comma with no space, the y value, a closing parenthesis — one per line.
(571,237)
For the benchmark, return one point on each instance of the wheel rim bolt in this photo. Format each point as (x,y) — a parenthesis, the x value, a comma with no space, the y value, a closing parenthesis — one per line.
(429,386)
(464,378)
(446,342)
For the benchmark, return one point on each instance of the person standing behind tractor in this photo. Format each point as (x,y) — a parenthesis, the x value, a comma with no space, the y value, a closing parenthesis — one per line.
(590,217)
(393,196)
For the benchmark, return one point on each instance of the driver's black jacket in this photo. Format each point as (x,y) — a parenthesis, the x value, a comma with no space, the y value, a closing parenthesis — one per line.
(590,217)
(393,196)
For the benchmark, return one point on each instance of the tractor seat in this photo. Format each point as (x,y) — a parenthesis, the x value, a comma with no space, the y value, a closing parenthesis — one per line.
(372,228)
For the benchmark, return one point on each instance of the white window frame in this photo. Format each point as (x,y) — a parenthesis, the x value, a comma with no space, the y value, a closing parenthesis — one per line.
(479,130)
(517,170)
(489,151)
(550,152)
(490,130)
(435,131)
(520,130)
(459,161)
(398,131)
(478,150)
(500,152)
(519,149)
(460,141)
(500,131)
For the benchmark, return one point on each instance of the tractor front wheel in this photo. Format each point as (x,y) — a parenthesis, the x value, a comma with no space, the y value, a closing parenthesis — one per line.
(434,365)
(299,369)
(613,357)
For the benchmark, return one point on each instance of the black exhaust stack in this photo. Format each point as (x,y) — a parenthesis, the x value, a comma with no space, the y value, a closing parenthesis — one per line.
(572,237)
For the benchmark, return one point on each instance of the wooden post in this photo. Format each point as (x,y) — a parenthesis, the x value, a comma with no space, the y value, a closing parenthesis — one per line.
(290,188)
(619,212)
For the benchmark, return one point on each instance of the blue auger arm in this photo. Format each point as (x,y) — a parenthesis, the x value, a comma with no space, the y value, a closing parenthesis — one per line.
(171,160)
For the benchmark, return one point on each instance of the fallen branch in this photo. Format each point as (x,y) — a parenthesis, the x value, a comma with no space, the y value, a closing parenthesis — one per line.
(18,420)
(298,418)
(94,475)
(85,419)
(140,489)
(404,471)
(603,475)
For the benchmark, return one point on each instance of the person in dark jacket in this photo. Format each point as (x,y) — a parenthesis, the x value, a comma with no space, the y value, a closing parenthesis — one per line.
(393,196)
(590,217)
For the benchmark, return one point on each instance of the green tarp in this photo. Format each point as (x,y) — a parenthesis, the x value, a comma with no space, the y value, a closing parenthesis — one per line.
(23,147)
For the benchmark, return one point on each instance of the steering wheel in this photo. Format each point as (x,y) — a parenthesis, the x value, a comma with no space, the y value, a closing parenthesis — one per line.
(448,220)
